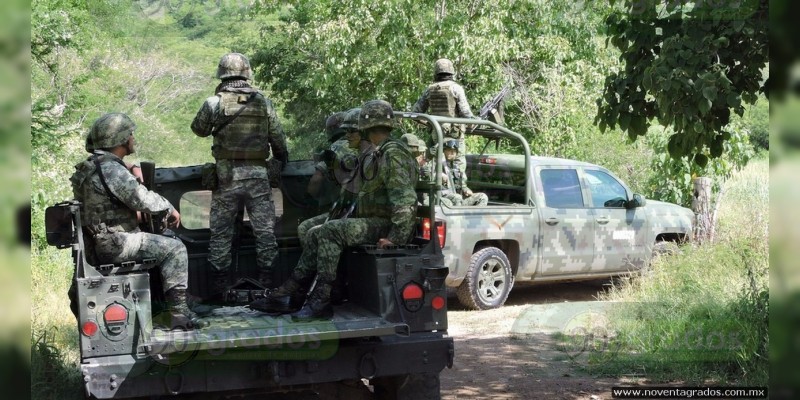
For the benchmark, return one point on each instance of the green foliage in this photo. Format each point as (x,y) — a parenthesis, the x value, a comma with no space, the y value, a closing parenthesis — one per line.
(671,178)
(756,119)
(682,322)
(334,55)
(687,65)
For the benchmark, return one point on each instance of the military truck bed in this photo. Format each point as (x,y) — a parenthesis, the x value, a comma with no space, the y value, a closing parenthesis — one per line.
(240,327)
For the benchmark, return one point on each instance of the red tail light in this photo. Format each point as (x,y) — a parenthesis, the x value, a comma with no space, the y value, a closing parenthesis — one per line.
(115,313)
(413,296)
(116,317)
(89,328)
(438,303)
(441,230)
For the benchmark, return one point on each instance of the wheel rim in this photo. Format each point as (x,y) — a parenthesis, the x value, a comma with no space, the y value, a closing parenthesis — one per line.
(491,281)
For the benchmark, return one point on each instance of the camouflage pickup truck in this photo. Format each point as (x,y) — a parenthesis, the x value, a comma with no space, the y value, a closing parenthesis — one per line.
(388,337)
(548,219)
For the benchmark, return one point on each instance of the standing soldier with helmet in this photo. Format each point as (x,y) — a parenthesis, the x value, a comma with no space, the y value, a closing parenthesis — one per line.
(245,127)
(111,196)
(445,97)
(384,216)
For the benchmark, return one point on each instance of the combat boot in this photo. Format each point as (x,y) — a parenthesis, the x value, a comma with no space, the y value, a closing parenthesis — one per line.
(179,315)
(318,305)
(219,284)
(287,298)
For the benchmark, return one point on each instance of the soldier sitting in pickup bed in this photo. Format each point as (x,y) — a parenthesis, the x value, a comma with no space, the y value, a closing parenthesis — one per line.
(384,217)
(111,196)
(455,192)
(323,170)
(342,167)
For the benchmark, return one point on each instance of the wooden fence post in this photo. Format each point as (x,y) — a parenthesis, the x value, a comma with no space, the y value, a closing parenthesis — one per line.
(701,205)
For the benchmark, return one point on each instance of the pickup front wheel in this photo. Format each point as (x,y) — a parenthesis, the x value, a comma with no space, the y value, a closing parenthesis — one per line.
(488,281)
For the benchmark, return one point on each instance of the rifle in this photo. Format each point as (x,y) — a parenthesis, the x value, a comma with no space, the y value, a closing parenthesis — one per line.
(153,223)
(341,209)
(492,107)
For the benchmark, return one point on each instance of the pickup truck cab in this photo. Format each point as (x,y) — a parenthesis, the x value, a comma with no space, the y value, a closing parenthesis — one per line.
(548,219)
(390,329)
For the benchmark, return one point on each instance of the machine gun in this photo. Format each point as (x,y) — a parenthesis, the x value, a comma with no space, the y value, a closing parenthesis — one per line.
(493,109)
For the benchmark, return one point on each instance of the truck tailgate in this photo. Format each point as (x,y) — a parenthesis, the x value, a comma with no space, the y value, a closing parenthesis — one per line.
(239,327)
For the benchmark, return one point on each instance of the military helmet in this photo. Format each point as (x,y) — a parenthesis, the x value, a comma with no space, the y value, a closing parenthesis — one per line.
(375,113)
(232,65)
(451,144)
(108,131)
(333,126)
(443,66)
(413,142)
(351,119)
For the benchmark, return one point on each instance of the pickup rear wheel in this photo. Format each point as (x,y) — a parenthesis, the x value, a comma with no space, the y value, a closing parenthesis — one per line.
(488,281)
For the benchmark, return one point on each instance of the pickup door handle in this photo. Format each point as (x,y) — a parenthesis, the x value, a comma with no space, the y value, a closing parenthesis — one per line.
(551,221)
(602,220)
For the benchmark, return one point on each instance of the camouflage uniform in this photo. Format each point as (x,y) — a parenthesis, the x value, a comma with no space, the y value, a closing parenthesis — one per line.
(342,150)
(241,148)
(445,97)
(339,170)
(454,186)
(113,224)
(385,208)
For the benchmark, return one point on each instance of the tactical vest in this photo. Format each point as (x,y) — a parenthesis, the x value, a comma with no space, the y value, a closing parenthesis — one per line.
(441,100)
(245,137)
(101,210)
(457,177)
(373,198)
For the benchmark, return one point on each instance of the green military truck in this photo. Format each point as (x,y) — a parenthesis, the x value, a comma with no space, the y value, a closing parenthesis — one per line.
(548,219)
(388,337)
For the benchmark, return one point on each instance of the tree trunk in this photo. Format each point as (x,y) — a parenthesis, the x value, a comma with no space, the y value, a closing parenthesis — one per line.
(701,205)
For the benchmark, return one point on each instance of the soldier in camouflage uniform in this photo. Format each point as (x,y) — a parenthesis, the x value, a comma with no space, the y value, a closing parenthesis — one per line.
(416,146)
(341,170)
(324,168)
(385,213)
(244,126)
(111,196)
(455,192)
(446,98)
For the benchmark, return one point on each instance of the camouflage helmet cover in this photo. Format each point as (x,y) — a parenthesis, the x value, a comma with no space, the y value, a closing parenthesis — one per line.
(376,113)
(443,66)
(351,119)
(333,126)
(233,65)
(108,131)
(413,142)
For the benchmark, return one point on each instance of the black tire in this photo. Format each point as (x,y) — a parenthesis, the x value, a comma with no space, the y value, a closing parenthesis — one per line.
(408,387)
(660,249)
(488,282)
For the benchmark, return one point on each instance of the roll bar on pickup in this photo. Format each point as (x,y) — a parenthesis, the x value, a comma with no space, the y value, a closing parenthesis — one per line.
(492,130)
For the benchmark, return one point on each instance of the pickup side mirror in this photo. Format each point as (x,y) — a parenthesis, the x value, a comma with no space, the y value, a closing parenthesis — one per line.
(636,201)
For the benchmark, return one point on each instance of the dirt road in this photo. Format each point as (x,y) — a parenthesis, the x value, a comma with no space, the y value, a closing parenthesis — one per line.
(512,352)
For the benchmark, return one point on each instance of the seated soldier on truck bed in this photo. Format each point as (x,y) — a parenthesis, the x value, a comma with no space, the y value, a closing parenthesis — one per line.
(456,192)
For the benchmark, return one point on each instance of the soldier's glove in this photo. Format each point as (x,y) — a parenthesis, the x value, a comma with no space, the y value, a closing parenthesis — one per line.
(328,157)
